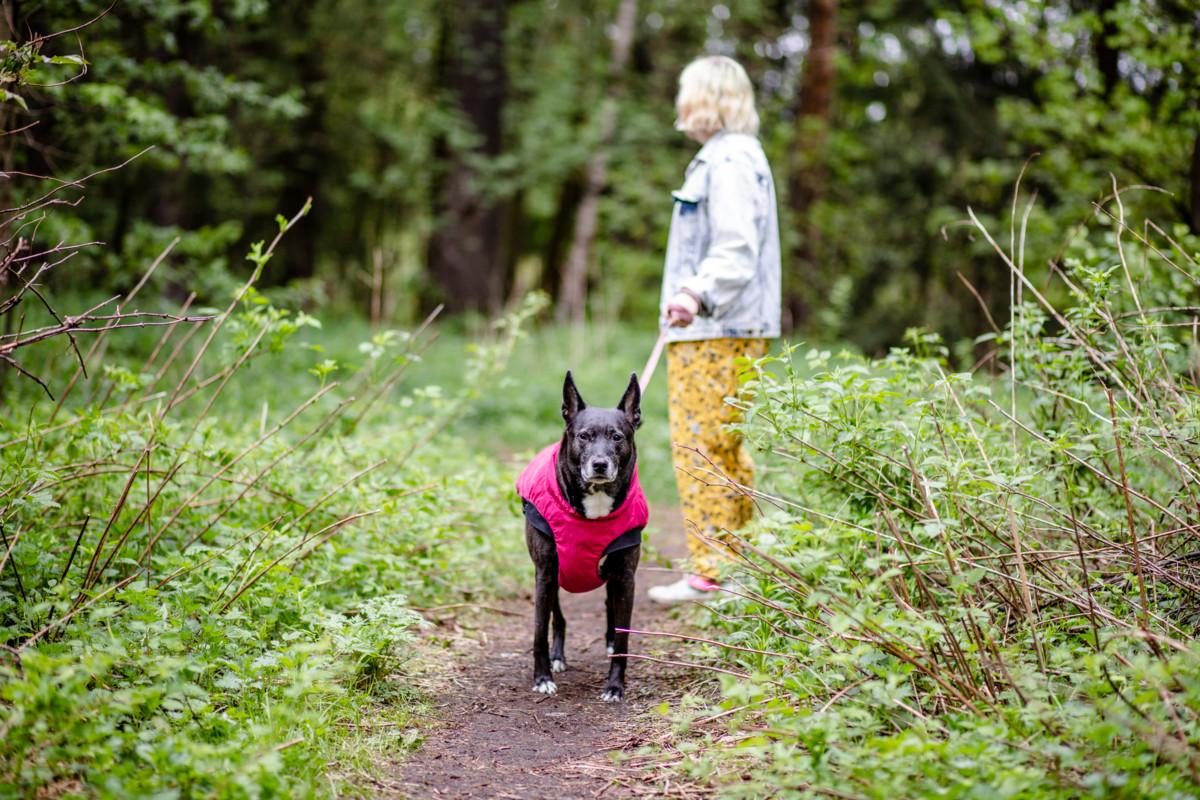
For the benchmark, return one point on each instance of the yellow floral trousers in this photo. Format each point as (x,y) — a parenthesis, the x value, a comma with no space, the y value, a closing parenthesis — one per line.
(700,375)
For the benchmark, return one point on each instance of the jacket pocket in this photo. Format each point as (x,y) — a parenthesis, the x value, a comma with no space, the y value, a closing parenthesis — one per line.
(695,186)
(689,214)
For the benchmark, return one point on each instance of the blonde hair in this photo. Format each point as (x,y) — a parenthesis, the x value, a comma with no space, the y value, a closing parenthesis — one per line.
(715,94)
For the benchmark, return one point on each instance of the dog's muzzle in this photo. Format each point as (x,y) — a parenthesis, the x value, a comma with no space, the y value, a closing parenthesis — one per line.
(599,471)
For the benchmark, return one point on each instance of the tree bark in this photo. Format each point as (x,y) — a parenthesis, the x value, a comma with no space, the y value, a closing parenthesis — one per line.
(806,186)
(1107,56)
(467,253)
(569,197)
(9,15)
(572,293)
(1194,216)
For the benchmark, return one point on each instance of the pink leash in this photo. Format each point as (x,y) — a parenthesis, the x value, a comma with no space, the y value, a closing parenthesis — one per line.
(652,361)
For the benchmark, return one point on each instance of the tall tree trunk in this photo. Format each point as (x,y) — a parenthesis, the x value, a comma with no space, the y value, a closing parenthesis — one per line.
(569,197)
(467,255)
(1194,216)
(300,250)
(8,30)
(13,22)
(806,186)
(10,19)
(1107,56)
(572,293)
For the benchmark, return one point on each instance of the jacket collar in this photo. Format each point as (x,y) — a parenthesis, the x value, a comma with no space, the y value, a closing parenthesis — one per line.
(721,142)
(724,140)
(710,148)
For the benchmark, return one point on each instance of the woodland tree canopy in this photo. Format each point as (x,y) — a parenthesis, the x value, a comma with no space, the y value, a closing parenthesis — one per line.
(451,148)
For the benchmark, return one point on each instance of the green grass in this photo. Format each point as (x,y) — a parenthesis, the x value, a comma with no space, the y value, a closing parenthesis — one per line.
(520,412)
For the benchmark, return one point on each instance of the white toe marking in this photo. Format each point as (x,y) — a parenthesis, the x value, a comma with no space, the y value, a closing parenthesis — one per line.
(611,696)
(597,504)
(558,665)
(545,687)
(610,649)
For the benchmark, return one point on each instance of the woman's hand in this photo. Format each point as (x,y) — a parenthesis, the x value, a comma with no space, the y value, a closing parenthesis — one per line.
(682,309)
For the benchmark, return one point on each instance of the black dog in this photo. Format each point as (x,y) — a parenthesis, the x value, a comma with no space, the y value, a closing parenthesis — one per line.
(584,514)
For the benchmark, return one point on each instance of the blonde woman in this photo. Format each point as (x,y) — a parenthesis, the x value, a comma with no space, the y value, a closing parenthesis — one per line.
(720,301)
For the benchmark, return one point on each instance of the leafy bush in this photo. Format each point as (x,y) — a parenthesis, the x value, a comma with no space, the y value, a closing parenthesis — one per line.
(208,557)
(975,587)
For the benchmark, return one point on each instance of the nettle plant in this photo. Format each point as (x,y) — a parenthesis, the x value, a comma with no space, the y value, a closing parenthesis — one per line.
(965,580)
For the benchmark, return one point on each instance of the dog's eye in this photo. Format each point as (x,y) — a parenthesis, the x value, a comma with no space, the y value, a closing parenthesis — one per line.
(617,437)
(584,436)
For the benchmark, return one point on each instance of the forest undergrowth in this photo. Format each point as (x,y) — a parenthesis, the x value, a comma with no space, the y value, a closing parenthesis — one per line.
(216,541)
(977,584)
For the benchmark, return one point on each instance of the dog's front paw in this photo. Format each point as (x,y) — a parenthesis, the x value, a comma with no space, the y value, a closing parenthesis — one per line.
(544,686)
(558,665)
(613,694)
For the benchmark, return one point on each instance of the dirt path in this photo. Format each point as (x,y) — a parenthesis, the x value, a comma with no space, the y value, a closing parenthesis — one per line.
(497,739)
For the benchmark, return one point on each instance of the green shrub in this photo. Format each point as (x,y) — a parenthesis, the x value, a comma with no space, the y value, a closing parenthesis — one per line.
(966,586)
(210,547)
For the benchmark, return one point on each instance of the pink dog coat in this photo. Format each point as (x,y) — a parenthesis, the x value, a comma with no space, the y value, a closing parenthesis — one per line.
(580,541)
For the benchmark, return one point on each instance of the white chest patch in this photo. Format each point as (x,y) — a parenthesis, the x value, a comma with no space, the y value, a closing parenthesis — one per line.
(596,505)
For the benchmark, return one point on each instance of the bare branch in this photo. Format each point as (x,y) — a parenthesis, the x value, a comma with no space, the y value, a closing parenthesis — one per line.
(12,362)
(45,37)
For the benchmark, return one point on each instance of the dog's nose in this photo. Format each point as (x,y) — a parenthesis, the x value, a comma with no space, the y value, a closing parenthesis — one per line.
(601,466)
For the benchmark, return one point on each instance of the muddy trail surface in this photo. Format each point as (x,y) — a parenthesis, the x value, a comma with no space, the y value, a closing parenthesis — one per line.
(494,738)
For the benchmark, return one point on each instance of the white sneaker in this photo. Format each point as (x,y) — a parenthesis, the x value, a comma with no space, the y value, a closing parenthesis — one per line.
(687,589)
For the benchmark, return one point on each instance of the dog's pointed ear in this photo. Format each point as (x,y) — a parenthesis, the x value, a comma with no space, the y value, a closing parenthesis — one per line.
(572,402)
(631,402)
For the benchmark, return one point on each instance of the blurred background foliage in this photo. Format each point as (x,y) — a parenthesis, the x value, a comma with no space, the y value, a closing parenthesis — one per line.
(448,146)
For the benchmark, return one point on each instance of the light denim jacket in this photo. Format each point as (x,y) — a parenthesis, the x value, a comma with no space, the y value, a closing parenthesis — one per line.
(724,243)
